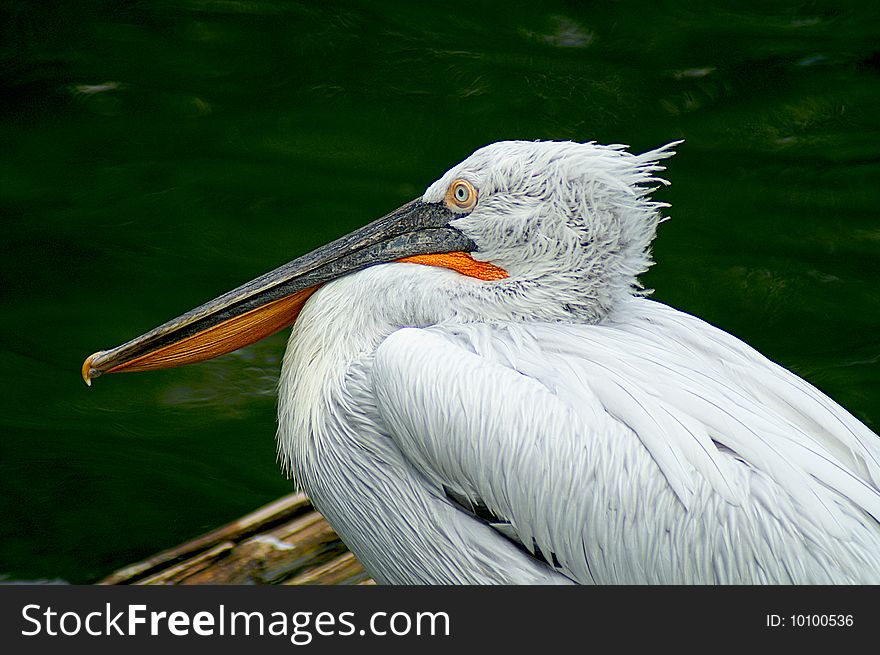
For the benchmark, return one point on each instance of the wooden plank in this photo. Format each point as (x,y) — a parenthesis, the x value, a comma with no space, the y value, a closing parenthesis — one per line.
(284,542)
(179,573)
(344,569)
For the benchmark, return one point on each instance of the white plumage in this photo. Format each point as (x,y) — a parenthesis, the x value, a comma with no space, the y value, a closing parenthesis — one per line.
(556,426)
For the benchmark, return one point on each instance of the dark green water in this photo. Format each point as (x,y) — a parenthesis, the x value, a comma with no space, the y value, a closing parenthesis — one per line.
(155,154)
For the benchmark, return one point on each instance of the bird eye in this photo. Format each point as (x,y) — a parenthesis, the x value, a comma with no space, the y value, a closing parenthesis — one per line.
(461,196)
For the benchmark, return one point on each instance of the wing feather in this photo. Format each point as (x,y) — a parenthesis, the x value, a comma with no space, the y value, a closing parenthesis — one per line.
(605,445)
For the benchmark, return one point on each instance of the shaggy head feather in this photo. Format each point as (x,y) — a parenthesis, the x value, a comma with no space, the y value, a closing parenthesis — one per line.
(571,222)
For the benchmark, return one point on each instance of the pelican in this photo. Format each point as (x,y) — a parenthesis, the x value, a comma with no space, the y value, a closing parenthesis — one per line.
(477,390)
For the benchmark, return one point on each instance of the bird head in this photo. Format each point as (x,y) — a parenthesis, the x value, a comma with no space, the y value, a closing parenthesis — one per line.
(550,230)
(570,223)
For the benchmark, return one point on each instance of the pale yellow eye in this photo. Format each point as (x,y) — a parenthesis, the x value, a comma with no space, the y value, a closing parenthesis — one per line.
(461,196)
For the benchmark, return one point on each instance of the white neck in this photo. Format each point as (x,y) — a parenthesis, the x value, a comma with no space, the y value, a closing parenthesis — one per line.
(344,320)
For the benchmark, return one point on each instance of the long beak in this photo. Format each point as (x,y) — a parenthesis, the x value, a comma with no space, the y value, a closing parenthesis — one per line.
(272,301)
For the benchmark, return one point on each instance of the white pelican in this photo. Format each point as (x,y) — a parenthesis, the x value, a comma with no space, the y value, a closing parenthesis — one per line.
(476,391)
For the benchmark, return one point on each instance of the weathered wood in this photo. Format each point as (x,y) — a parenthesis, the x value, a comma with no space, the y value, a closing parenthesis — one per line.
(345,569)
(179,573)
(284,542)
